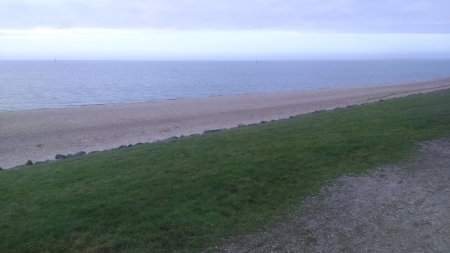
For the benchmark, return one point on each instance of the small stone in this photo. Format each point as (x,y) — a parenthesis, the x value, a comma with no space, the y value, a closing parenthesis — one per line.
(291,117)
(80,153)
(241,125)
(131,145)
(172,138)
(122,146)
(264,122)
(59,156)
(29,162)
(139,143)
(93,152)
(211,131)
(1,168)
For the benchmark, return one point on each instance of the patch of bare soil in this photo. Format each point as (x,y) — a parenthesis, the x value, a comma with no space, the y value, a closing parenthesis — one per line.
(398,208)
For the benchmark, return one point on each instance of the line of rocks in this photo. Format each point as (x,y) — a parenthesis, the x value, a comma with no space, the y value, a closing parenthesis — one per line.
(81,153)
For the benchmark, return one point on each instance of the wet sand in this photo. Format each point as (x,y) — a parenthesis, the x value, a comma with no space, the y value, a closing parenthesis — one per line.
(39,135)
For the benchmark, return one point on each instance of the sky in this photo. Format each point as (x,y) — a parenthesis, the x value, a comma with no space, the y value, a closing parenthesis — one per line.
(224,29)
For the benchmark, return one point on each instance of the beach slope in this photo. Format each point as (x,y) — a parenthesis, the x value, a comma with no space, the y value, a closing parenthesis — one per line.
(39,135)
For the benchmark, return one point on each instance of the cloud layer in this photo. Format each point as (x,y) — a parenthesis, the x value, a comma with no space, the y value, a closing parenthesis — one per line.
(342,16)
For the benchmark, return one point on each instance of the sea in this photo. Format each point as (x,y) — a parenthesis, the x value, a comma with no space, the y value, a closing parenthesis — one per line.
(27,85)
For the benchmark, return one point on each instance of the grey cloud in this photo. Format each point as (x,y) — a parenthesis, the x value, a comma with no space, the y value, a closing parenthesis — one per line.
(361,16)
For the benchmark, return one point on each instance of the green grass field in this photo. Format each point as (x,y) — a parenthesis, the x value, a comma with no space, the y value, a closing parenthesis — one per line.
(187,194)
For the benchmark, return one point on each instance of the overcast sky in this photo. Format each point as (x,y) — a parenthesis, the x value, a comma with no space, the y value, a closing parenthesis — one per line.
(226,29)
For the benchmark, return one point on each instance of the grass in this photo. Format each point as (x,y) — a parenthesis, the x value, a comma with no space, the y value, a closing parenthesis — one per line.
(186,194)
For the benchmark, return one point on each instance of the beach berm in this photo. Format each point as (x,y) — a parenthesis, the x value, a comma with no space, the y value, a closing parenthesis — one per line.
(38,135)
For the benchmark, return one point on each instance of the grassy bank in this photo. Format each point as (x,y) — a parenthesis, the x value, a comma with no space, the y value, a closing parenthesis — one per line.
(187,194)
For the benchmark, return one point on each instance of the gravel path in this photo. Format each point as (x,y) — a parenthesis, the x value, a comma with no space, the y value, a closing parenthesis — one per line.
(402,208)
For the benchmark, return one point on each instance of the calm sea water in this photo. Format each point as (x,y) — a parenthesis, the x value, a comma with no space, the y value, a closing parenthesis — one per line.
(46,84)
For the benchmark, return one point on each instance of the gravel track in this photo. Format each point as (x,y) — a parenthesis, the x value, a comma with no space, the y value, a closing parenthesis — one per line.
(398,208)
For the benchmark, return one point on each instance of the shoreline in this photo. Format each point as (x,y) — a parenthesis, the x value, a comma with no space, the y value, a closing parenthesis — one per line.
(40,134)
(228,95)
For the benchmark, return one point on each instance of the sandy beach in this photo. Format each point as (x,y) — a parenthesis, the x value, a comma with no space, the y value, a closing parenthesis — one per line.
(39,135)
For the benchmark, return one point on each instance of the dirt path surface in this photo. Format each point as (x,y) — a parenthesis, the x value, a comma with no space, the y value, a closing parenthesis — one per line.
(39,135)
(403,208)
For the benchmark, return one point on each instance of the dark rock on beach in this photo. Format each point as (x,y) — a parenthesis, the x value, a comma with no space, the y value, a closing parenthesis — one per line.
(211,131)
(122,146)
(80,153)
(29,162)
(59,156)
(241,125)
